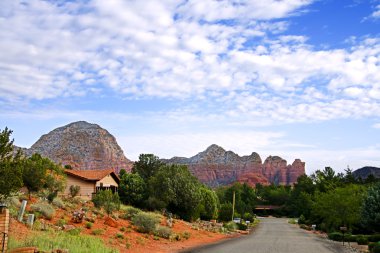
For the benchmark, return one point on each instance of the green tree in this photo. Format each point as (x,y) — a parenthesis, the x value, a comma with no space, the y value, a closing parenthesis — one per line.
(147,166)
(209,204)
(326,180)
(225,212)
(107,200)
(371,209)
(178,189)
(340,206)
(132,189)
(301,197)
(40,172)
(10,166)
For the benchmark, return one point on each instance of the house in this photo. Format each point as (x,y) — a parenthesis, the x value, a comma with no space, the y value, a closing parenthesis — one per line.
(91,181)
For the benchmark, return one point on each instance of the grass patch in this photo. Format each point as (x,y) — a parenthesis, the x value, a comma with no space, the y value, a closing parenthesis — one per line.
(61,240)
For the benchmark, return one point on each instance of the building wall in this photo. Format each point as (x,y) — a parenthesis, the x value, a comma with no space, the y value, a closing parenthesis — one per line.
(107,181)
(86,187)
(4,228)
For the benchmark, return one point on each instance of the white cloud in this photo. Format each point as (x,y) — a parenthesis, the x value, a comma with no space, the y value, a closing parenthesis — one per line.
(376,13)
(377,125)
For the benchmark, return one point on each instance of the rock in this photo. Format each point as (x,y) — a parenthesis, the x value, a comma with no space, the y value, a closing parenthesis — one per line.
(216,167)
(83,146)
(68,227)
(111,222)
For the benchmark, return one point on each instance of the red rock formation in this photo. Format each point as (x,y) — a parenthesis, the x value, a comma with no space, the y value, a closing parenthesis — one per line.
(216,167)
(84,146)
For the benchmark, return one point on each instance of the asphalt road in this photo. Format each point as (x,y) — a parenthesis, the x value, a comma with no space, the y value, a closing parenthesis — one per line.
(274,236)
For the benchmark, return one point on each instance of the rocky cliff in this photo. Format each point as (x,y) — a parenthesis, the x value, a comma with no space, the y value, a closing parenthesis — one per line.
(216,167)
(82,145)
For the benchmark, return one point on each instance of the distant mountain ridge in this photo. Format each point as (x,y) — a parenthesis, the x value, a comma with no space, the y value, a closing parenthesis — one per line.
(216,166)
(83,146)
(364,172)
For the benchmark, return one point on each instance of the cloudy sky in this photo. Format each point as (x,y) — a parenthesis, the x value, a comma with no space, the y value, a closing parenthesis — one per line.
(294,78)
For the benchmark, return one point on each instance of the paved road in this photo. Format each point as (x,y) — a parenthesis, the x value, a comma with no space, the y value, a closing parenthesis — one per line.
(275,236)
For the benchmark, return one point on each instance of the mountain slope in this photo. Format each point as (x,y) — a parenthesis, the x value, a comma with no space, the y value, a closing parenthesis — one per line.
(366,171)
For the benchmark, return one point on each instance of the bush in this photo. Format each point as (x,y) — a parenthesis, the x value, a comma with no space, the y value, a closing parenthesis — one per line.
(97,231)
(242,226)
(108,200)
(119,236)
(292,221)
(374,238)
(44,208)
(231,226)
(130,212)
(61,222)
(362,240)
(75,231)
(376,248)
(74,190)
(335,236)
(301,220)
(145,222)
(58,203)
(89,225)
(163,232)
(186,235)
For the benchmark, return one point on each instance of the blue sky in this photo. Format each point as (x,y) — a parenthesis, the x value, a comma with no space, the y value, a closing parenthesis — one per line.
(294,78)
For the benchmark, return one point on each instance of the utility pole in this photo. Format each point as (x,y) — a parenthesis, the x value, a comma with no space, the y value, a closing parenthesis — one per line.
(233,205)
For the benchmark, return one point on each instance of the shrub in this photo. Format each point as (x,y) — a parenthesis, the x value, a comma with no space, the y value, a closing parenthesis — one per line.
(163,232)
(371,245)
(302,219)
(376,248)
(130,211)
(44,208)
(306,227)
(186,235)
(242,226)
(292,221)
(108,200)
(97,231)
(58,203)
(89,225)
(362,240)
(248,216)
(122,229)
(374,238)
(61,222)
(75,231)
(119,236)
(145,222)
(74,190)
(231,226)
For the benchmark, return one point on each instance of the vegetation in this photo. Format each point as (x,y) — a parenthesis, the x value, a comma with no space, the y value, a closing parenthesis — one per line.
(145,222)
(371,209)
(44,208)
(74,190)
(132,189)
(10,166)
(107,200)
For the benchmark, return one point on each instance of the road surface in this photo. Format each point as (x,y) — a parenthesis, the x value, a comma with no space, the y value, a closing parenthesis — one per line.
(275,236)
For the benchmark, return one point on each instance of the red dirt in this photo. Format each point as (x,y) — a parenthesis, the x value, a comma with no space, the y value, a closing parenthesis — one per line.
(132,241)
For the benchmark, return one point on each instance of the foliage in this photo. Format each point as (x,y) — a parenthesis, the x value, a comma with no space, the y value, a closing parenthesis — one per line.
(145,222)
(107,200)
(362,240)
(74,190)
(335,236)
(129,212)
(44,208)
(242,226)
(370,215)
(97,232)
(301,219)
(10,166)
(375,248)
(209,204)
(225,212)
(147,166)
(132,189)
(62,240)
(163,232)
(340,206)
(89,225)
(374,238)
(178,189)
(231,226)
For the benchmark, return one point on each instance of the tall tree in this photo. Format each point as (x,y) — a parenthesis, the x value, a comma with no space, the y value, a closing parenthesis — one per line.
(371,208)
(147,166)
(10,166)
(132,189)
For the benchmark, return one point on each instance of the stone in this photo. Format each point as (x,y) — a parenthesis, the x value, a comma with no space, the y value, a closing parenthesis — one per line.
(83,146)
(111,222)
(217,167)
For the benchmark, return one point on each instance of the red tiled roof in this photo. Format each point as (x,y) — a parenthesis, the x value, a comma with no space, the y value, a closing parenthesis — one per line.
(91,175)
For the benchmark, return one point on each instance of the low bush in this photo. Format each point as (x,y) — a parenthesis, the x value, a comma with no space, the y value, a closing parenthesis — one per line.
(376,248)
(89,225)
(61,222)
(374,238)
(130,212)
(301,219)
(242,226)
(97,231)
(335,236)
(231,226)
(186,235)
(292,221)
(145,222)
(75,231)
(58,203)
(306,227)
(371,245)
(119,236)
(44,208)
(163,232)
(74,190)
(362,240)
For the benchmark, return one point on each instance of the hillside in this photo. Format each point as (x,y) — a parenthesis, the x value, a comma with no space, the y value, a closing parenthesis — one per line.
(366,171)
(83,146)
(216,166)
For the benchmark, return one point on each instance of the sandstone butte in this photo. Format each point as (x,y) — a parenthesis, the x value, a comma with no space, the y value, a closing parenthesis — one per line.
(86,146)
(216,166)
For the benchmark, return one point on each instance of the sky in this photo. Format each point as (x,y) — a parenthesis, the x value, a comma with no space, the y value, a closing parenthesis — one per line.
(293,78)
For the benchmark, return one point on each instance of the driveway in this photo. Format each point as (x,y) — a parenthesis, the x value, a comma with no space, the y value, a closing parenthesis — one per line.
(275,235)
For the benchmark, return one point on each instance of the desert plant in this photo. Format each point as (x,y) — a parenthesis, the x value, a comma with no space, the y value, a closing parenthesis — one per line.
(163,232)
(186,235)
(231,226)
(89,225)
(108,200)
(119,236)
(130,211)
(58,203)
(44,208)
(75,231)
(61,222)
(74,190)
(97,231)
(145,222)
(362,240)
